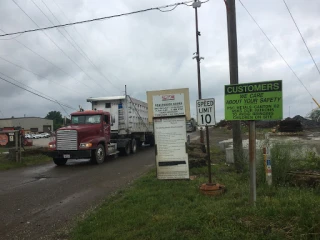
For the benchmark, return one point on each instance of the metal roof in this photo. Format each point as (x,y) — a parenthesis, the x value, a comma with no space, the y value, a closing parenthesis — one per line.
(15,118)
(106,98)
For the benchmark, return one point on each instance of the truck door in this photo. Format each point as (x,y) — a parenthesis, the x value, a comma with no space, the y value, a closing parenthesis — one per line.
(106,128)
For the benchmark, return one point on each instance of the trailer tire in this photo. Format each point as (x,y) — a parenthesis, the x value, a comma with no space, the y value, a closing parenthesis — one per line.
(98,155)
(127,149)
(60,161)
(152,141)
(133,146)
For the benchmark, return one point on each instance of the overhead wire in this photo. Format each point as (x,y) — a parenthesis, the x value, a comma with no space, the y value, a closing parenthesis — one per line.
(82,52)
(100,86)
(5,39)
(97,19)
(21,83)
(39,95)
(57,67)
(276,49)
(68,41)
(302,36)
(34,90)
(28,70)
(84,41)
(55,44)
(168,10)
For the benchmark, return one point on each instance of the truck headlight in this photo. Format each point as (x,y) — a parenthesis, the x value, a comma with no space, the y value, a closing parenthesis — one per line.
(52,145)
(85,145)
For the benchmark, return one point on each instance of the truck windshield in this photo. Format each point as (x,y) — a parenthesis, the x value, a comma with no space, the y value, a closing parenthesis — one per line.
(85,119)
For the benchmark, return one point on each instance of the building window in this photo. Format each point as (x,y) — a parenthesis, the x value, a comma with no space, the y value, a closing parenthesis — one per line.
(108,105)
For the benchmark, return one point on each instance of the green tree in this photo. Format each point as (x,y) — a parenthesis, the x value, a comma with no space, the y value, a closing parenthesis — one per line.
(56,116)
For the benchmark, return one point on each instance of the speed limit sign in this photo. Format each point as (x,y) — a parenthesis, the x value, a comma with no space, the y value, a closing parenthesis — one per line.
(206,112)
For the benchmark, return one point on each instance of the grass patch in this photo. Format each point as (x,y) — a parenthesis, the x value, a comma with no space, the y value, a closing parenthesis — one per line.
(286,158)
(154,209)
(2,150)
(6,164)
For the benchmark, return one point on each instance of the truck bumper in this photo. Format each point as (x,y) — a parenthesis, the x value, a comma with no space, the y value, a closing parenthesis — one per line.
(67,154)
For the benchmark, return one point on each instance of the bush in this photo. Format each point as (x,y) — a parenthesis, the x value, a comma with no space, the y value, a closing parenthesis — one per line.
(285,158)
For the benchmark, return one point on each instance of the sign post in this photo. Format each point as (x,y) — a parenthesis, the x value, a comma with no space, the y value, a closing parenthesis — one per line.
(206,117)
(253,101)
(252,161)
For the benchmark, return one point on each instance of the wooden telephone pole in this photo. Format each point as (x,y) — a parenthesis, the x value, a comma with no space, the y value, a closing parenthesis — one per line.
(233,68)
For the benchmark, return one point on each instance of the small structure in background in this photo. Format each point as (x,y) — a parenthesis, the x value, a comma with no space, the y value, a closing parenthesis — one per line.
(29,124)
(12,140)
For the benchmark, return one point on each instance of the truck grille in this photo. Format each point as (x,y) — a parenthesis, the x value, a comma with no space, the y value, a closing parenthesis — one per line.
(67,140)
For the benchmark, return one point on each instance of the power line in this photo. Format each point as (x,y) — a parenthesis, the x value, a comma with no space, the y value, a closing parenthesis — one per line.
(84,55)
(66,39)
(82,38)
(42,57)
(275,48)
(28,70)
(302,36)
(54,43)
(97,19)
(25,85)
(34,90)
(30,87)
(11,38)
(70,44)
(55,101)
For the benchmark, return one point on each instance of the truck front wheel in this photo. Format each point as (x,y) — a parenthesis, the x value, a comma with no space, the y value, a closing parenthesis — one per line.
(98,155)
(60,161)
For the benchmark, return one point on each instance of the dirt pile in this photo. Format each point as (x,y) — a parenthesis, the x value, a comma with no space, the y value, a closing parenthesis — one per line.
(306,123)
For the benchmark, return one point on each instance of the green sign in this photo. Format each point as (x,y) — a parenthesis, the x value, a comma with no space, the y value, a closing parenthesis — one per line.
(254,101)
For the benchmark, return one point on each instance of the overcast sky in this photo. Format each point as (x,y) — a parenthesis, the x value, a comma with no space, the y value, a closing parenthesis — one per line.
(151,51)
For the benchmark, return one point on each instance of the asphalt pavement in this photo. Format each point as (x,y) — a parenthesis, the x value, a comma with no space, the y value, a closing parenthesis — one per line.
(39,202)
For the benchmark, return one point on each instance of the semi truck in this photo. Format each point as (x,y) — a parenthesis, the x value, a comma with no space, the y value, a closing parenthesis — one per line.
(113,125)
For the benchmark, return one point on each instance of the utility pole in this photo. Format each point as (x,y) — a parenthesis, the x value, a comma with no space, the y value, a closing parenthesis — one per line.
(233,68)
(196,5)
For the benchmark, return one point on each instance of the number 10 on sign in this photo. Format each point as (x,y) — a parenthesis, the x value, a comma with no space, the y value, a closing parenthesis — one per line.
(206,112)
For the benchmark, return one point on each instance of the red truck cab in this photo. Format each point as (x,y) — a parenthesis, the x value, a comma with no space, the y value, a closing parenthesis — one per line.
(88,136)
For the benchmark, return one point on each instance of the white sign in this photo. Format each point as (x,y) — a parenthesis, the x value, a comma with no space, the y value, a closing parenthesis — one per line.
(168,105)
(206,112)
(171,155)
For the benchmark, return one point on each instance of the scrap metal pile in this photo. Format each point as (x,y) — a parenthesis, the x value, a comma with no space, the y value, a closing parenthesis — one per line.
(295,124)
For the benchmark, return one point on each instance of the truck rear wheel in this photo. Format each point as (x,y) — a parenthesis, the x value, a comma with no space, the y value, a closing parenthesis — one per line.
(60,161)
(98,155)
(133,146)
(127,149)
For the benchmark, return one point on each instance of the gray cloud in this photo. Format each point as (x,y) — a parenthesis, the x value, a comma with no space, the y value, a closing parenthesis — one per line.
(153,50)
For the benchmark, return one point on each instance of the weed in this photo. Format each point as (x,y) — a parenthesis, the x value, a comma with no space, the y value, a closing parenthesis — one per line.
(6,164)
(153,209)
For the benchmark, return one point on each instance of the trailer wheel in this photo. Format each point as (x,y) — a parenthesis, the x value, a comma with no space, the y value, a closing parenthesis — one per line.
(133,146)
(152,142)
(60,161)
(98,155)
(127,149)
